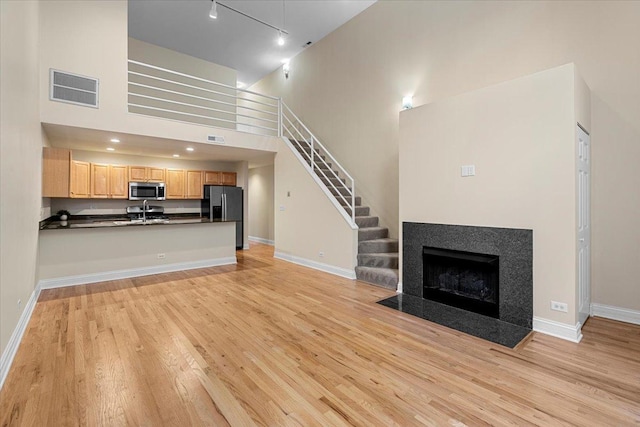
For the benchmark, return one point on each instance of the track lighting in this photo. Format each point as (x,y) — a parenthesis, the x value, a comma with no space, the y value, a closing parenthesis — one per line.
(285,68)
(213,13)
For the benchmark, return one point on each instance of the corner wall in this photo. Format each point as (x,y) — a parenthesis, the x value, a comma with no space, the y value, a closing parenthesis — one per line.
(21,140)
(520,135)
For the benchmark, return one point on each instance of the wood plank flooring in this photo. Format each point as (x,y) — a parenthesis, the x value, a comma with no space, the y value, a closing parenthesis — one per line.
(270,343)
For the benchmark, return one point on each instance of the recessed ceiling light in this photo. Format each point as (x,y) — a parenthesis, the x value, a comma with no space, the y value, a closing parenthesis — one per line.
(176,155)
(115,140)
(190,148)
(111,149)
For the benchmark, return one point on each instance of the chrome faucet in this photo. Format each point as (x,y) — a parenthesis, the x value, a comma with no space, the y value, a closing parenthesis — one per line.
(144,211)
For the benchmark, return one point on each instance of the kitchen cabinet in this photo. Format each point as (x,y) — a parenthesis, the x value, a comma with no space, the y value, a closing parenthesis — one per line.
(109,181)
(194,185)
(146,174)
(220,178)
(118,182)
(212,178)
(80,182)
(99,181)
(175,184)
(229,178)
(56,169)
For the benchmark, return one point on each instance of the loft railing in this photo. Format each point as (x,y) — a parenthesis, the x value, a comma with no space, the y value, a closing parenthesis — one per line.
(159,92)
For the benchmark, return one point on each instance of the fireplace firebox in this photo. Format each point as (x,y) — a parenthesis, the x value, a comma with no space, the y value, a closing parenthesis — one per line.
(461,279)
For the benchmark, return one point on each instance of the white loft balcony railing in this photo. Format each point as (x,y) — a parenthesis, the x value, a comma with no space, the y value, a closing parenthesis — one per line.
(171,95)
(159,92)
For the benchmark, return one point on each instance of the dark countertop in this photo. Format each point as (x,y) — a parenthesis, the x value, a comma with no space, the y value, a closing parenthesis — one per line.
(109,221)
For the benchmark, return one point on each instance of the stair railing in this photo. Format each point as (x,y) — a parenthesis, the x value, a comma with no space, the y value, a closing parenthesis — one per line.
(299,135)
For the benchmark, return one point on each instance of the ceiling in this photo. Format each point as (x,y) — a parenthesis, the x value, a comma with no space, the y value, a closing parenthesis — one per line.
(233,40)
(139,145)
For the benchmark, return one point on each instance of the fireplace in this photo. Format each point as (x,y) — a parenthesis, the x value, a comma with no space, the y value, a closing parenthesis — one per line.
(466,280)
(501,286)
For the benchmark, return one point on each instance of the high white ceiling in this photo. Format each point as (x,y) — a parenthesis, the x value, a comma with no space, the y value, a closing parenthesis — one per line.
(233,40)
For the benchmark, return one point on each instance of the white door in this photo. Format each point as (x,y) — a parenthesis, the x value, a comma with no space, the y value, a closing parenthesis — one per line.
(584,225)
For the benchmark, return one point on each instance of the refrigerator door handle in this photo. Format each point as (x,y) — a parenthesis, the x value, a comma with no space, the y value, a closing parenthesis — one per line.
(224,207)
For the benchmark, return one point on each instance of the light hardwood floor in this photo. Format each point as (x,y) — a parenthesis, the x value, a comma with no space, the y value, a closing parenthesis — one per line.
(271,343)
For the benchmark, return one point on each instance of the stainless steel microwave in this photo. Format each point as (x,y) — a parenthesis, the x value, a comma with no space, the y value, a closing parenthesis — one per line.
(146,191)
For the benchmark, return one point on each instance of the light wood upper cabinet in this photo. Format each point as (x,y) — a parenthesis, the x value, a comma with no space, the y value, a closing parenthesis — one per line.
(212,178)
(99,181)
(56,169)
(175,184)
(155,174)
(109,181)
(146,174)
(138,173)
(195,187)
(118,182)
(229,178)
(80,182)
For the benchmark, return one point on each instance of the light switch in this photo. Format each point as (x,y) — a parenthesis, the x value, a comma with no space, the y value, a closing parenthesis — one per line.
(468,170)
(281,207)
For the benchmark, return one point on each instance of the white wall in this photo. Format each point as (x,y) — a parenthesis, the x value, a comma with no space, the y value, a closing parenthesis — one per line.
(348,88)
(21,140)
(520,135)
(306,222)
(261,210)
(90,38)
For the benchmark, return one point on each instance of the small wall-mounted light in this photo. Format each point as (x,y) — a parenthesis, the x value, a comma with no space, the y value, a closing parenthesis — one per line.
(285,68)
(407,102)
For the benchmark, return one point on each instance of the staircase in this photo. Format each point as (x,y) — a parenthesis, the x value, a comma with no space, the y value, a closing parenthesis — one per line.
(377,253)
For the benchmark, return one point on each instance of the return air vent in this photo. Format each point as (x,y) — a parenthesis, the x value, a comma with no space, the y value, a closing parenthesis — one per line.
(72,88)
(215,139)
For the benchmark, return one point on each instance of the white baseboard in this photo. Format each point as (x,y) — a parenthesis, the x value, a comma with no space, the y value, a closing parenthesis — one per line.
(261,240)
(616,313)
(60,282)
(557,329)
(338,271)
(399,289)
(16,337)
(245,247)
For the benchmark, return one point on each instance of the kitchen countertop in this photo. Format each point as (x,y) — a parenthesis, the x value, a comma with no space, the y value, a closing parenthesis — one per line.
(109,221)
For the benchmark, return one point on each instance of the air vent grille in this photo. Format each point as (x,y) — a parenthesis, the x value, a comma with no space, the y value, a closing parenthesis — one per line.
(74,89)
(215,139)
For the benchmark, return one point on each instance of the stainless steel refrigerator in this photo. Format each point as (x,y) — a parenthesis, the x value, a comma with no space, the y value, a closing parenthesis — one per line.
(222,202)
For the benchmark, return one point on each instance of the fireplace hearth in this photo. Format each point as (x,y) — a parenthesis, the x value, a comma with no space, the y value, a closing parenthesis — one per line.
(478,280)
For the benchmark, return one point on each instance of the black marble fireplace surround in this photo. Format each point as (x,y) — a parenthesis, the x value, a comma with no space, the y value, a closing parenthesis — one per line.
(514,249)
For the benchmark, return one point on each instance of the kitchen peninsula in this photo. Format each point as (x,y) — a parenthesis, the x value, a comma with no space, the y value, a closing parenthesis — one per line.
(94,250)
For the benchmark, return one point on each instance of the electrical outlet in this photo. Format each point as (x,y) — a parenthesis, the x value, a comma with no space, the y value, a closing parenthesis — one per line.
(468,170)
(559,306)
(161,256)
(321,254)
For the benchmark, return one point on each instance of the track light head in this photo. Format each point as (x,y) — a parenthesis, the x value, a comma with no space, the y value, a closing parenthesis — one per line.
(213,13)
(280,39)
